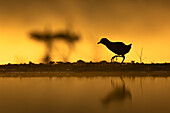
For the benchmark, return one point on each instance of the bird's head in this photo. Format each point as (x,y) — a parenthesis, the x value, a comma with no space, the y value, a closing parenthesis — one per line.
(103,41)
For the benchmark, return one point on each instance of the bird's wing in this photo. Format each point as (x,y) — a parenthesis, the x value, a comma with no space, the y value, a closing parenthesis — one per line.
(119,43)
(118,47)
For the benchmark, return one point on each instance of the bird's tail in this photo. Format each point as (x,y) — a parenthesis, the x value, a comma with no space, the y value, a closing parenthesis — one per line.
(130,44)
(129,47)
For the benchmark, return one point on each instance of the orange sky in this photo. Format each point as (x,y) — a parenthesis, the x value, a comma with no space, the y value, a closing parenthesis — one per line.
(144,23)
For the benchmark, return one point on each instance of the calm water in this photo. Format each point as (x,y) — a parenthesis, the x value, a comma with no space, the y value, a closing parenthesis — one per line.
(85,95)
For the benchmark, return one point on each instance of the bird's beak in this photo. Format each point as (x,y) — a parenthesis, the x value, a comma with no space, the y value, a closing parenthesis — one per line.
(98,42)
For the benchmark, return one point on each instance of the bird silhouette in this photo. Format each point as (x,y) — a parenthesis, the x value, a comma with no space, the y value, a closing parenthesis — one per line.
(118,48)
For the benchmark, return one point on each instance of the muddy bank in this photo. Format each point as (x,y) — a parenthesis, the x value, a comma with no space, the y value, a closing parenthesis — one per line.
(84,69)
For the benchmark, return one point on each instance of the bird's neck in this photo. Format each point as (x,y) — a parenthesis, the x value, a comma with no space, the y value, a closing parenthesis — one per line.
(107,42)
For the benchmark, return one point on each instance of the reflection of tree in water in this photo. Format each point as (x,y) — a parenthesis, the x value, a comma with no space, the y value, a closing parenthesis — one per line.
(48,38)
(118,94)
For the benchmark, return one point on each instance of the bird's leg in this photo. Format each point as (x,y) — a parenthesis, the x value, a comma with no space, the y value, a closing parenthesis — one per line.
(123,58)
(116,58)
(113,57)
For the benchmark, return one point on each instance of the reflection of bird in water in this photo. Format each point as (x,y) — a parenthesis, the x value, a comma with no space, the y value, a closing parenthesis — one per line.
(117,47)
(119,94)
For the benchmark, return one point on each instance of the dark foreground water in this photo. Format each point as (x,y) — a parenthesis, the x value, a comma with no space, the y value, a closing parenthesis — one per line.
(85,95)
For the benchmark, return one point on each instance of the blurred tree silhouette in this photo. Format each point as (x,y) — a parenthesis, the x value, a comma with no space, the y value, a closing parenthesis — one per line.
(48,37)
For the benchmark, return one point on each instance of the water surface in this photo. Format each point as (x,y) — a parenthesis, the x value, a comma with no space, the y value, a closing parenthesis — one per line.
(85,95)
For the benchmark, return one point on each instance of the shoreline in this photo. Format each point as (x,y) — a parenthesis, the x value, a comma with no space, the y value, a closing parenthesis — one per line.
(84,70)
(88,74)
